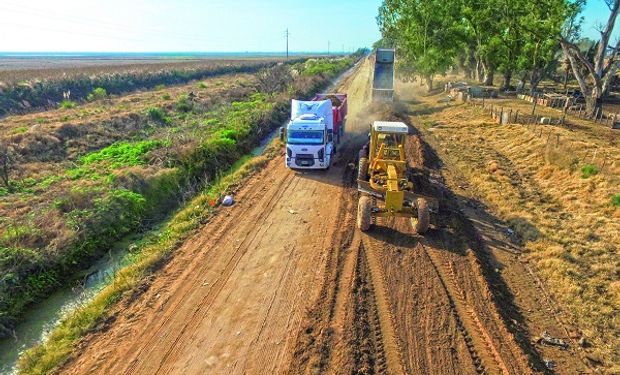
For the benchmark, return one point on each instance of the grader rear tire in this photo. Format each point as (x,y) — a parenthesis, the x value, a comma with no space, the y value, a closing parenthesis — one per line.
(362,169)
(364,218)
(421,224)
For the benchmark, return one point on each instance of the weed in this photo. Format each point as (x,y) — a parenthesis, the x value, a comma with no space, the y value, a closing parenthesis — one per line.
(160,87)
(184,104)
(615,200)
(588,171)
(67,104)
(122,154)
(20,130)
(159,115)
(166,96)
(202,85)
(98,93)
(40,120)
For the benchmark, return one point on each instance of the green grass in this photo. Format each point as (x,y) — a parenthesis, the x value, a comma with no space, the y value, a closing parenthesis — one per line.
(67,104)
(588,171)
(166,96)
(615,200)
(202,85)
(20,130)
(97,94)
(159,245)
(122,154)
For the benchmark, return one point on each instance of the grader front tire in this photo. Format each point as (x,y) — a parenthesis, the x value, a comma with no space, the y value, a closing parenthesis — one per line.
(421,224)
(362,169)
(364,218)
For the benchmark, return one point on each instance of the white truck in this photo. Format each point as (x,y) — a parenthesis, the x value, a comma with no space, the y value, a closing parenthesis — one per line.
(309,135)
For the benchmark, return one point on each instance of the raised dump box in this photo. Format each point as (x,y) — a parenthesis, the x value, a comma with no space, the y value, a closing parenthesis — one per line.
(383,79)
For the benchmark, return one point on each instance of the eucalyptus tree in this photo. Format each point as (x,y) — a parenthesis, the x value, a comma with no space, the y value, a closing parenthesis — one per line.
(425,33)
(594,74)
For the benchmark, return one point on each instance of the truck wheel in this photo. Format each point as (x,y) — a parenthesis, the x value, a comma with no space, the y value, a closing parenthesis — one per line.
(421,224)
(364,218)
(362,169)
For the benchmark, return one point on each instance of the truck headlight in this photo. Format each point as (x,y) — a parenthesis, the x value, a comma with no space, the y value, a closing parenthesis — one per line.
(321,154)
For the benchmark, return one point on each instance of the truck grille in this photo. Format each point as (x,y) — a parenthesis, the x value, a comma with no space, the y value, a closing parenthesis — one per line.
(304,160)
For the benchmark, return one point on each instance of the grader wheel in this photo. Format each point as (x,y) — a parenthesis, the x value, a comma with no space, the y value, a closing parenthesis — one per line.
(421,224)
(364,217)
(362,169)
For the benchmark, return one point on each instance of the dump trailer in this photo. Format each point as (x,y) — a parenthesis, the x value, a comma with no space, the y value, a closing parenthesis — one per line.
(309,135)
(382,180)
(339,109)
(383,78)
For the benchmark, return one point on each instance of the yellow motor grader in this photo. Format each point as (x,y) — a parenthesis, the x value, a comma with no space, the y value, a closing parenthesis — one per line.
(382,175)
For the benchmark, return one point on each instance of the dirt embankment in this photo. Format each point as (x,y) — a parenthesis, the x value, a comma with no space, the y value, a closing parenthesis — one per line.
(283,283)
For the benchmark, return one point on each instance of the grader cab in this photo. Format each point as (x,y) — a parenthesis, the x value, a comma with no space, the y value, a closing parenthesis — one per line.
(382,175)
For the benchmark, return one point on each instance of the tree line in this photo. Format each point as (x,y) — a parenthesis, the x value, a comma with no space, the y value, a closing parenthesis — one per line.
(525,39)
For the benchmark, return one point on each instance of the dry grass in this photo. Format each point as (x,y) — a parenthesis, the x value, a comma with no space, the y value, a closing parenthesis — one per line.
(567,223)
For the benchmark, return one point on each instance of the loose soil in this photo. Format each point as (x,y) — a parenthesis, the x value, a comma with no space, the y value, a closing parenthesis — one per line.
(283,282)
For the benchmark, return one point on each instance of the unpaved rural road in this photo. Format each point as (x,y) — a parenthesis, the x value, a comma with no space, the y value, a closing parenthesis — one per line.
(283,283)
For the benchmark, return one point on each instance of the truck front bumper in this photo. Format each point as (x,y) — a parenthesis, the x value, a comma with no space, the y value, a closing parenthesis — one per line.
(305,163)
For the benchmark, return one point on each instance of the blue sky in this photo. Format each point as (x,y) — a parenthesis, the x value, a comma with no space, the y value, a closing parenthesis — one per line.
(194,25)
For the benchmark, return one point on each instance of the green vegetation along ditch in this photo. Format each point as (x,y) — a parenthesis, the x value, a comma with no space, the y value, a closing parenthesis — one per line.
(119,189)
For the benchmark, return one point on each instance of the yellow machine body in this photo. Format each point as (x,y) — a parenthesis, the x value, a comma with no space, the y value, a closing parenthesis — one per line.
(387,169)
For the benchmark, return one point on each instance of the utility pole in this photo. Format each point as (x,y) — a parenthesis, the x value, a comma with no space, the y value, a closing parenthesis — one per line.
(287,34)
(328,48)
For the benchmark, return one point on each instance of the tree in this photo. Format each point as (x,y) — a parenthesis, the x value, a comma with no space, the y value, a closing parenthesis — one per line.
(424,33)
(599,70)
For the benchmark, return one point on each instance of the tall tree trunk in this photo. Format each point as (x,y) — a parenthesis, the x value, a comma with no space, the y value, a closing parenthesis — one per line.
(489,73)
(429,83)
(594,101)
(507,79)
(566,75)
(535,79)
(479,76)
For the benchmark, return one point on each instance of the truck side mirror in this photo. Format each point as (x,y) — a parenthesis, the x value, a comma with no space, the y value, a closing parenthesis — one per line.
(282,133)
(368,135)
(330,137)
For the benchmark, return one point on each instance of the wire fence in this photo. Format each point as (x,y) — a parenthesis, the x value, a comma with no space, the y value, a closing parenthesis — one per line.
(559,149)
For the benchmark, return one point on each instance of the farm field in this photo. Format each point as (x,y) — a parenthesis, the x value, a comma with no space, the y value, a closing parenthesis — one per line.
(24,69)
(256,289)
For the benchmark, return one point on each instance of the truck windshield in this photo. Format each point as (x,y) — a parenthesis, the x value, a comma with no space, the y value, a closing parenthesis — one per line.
(305,137)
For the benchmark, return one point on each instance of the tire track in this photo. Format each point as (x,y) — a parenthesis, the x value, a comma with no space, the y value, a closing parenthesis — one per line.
(467,321)
(152,340)
(389,343)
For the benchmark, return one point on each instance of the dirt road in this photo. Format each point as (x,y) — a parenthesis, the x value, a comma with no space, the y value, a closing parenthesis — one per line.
(283,283)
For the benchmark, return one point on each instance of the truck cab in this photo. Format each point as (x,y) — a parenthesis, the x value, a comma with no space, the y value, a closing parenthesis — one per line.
(309,143)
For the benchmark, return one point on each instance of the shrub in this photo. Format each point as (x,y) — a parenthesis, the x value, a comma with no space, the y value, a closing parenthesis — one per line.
(97,94)
(184,104)
(158,115)
(615,200)
(588,171)
(67,104)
